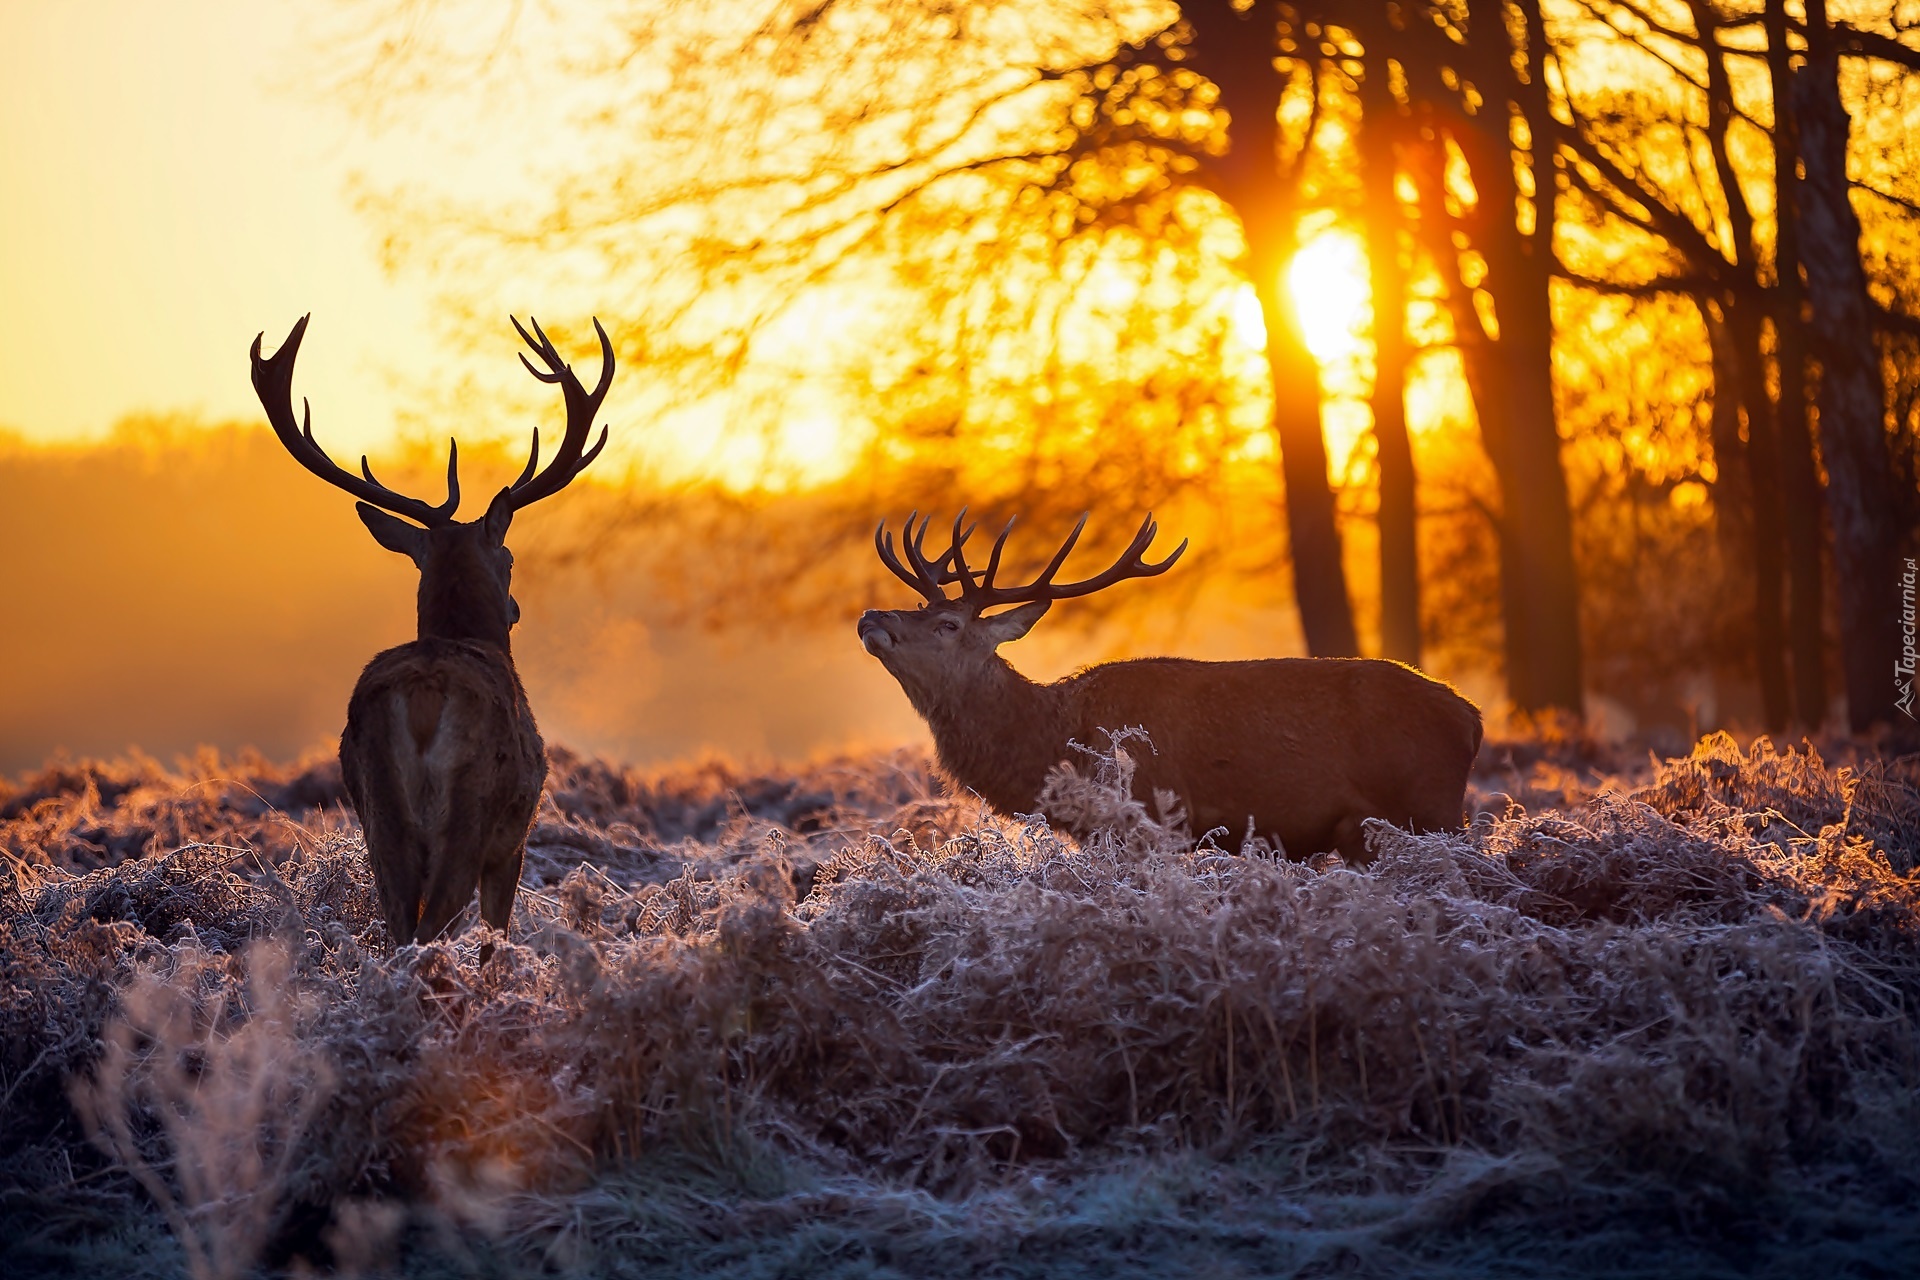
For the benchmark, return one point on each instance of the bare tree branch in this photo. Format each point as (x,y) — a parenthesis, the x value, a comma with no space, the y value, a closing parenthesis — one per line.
(1871,44)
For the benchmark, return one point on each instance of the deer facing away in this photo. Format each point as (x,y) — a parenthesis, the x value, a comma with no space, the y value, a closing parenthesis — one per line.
(1304,749)
(440,756)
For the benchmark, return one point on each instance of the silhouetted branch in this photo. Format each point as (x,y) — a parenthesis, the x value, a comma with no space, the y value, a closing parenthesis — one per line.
(1618,191)
(1661,286)
(1895,321)
(1902,201)
(1871,44)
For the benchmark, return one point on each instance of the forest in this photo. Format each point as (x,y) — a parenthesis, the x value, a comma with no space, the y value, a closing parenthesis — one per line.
(1454,319)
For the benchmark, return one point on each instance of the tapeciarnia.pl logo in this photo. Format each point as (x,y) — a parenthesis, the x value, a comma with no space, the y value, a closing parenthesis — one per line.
(1903,666)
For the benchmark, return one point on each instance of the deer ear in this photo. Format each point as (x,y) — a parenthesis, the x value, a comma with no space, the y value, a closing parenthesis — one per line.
(393,533)
(1014,623)
(499,516)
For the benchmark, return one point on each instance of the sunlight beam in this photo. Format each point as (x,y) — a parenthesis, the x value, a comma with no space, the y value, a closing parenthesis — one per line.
(1328,288)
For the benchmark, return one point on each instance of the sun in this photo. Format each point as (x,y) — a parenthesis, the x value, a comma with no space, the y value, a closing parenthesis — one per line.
(1327,284)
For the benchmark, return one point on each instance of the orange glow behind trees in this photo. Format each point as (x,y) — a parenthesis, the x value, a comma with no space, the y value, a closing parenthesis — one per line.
(921,256)
(913,255)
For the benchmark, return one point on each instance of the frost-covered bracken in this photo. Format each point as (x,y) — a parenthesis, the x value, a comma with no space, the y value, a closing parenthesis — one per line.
(832,1020)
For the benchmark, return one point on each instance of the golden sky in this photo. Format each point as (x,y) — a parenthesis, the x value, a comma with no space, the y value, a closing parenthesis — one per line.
(176,182)
(180,176)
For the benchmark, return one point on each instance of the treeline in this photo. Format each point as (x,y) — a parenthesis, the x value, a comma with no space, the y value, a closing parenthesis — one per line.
(1033,195)
(1755,225)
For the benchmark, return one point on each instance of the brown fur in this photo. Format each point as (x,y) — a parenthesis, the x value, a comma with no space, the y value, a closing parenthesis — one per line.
(424,707)
(441,756)
(1302,749)
(444,765)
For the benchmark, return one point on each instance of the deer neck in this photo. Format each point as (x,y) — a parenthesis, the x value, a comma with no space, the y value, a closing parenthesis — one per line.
(998,734)
(450,610)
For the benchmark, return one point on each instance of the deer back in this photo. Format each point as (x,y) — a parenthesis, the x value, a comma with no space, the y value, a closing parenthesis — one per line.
(444,765)
(1304,748)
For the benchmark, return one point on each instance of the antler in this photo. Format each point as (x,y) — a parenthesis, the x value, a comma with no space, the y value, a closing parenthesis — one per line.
(930,578)
(924,577)
(582,405)
(273,383)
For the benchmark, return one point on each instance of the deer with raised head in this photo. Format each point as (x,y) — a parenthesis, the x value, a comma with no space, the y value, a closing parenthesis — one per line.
(1303,750)
(440,756)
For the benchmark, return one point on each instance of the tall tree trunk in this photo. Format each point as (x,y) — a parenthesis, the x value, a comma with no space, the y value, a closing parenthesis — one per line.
(1519,277)
(1736,344)
(1769,430)
(1319,574)
(1733,484)
(1800,503)
(1799,474)
(1538,504)
(1853,442)
(1545,513)
(1480,365)
(1235,51)
(1399,547)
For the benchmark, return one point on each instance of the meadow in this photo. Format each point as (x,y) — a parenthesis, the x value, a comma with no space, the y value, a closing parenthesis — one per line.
(1642,1017)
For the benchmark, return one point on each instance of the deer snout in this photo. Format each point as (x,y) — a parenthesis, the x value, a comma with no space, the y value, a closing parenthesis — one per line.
(874,635)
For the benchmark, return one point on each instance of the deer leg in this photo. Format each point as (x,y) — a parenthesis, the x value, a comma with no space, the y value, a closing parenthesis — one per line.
(397,879)
(459,850)
(389,797)
(397,855)
(499,882)
(447,896)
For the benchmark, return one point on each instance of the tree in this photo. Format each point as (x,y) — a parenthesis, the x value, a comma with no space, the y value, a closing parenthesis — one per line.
(1382,127)
(1860,500)
(1625,140)
(1748,279)
(1508,63)
(1258,177)
(1800,475)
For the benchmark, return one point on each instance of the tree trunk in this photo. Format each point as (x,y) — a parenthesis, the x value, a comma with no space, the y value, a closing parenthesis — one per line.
(1537,501)
(1399,547)
(1480,357)
(1853,443)
(1480,363)
(1733,483)
(1236,51)
(1746,318)
(1736,350)
(1519,277)
(1799,474)
(1319,574)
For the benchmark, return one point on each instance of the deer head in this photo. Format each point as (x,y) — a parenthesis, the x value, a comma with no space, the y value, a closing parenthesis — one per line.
(950,642)
(465,568)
